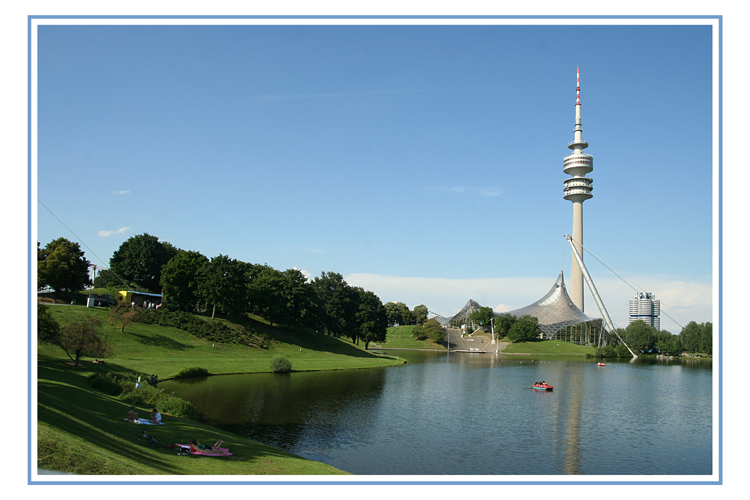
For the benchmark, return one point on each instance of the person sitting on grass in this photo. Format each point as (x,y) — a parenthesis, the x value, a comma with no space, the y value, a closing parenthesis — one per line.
(196,447)
(155,416)
(132,415)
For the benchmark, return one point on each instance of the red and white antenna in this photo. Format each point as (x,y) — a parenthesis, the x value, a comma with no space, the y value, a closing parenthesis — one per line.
(578,86)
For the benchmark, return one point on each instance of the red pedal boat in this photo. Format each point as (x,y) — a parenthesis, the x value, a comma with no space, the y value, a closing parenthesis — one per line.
(542,387)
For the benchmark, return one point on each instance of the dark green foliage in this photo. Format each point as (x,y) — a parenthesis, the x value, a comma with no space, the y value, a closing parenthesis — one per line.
(503,324)
(696,337)
(524,329)
(105,278)
(640,337)
(280,364)
(178,407)
(62,266)
(140,260)
(430,330)
(399,314)
(420,313)
(81,338)
(191,372)
(622,351)
(48,329)
(482,317)
(212,331)
(222,282)
(371,319)
(179,278)
(122,385)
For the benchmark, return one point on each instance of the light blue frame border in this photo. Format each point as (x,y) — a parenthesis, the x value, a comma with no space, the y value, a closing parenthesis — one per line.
(718,482)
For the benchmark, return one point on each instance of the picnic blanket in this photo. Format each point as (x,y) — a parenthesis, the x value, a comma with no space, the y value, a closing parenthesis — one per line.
(207,453)
(144,421)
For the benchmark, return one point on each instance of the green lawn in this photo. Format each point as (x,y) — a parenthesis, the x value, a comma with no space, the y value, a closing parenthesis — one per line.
(399,337)
(82,430)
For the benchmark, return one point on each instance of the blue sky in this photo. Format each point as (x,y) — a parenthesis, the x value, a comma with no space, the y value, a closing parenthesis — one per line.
(423,163)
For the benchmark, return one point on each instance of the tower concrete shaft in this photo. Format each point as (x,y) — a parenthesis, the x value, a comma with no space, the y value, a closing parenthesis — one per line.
(578,189)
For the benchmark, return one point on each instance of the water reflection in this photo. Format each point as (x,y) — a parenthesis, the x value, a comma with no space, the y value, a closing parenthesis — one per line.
(468,414)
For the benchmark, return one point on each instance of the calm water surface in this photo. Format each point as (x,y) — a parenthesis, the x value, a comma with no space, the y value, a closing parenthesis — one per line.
(470,414)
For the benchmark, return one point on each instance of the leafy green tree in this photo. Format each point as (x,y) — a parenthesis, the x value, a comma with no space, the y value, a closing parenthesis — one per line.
(82,338)
(399,314)
(482,317)
(140,259)
(267,294)
(640,337)
(179,278)
(48,329)
(105,278)
(503,324)
(339,303)
(524,329)
(431,329)
(420,313)
(62,266)
(222,283)
(370,318)
(690,337)
(707,338)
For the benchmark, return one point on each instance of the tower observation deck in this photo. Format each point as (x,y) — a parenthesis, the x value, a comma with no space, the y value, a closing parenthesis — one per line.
(578,189)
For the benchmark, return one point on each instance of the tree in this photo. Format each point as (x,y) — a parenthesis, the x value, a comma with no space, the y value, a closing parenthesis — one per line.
(266,294)
(640,337)
(140,259)
(339,303)
(124,314)
(106,278)
(431,329)
(62,266)
(420,313)
(524,329)
(179,278)
(707,339)
(371,319)
(81,338)
(503,324)
(482,317)
(222,282)
(399,314)
(48,329)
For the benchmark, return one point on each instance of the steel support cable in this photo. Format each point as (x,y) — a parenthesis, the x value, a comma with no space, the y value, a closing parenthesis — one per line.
(626,281)
(80,240)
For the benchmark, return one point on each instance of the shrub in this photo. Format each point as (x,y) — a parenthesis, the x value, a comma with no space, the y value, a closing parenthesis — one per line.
(177,407)
(280,364)
(191,372)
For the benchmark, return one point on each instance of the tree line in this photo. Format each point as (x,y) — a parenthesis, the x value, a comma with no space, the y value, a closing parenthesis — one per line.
(188,280)
(642,338)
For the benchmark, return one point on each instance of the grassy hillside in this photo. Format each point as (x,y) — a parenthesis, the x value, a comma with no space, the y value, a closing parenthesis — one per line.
(82,430)
(400,337)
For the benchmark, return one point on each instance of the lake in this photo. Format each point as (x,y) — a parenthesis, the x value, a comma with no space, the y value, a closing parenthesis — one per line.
(476,414)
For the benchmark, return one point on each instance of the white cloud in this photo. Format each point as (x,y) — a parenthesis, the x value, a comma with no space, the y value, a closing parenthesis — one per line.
(121,192)
(104,234)
(681,300)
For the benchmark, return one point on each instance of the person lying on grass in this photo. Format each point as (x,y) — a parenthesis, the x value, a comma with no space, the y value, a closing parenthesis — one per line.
(196,447)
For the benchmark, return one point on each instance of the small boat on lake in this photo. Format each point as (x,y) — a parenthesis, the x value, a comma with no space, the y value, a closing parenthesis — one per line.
(600,364)
(542,387)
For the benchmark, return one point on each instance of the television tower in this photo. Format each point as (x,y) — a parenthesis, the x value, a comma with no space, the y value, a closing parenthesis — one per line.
(578,189)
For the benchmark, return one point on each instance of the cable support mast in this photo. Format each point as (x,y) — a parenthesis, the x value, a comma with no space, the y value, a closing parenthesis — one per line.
(595,293)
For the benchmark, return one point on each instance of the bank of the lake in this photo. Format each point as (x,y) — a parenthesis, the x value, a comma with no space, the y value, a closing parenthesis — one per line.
(83,431)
